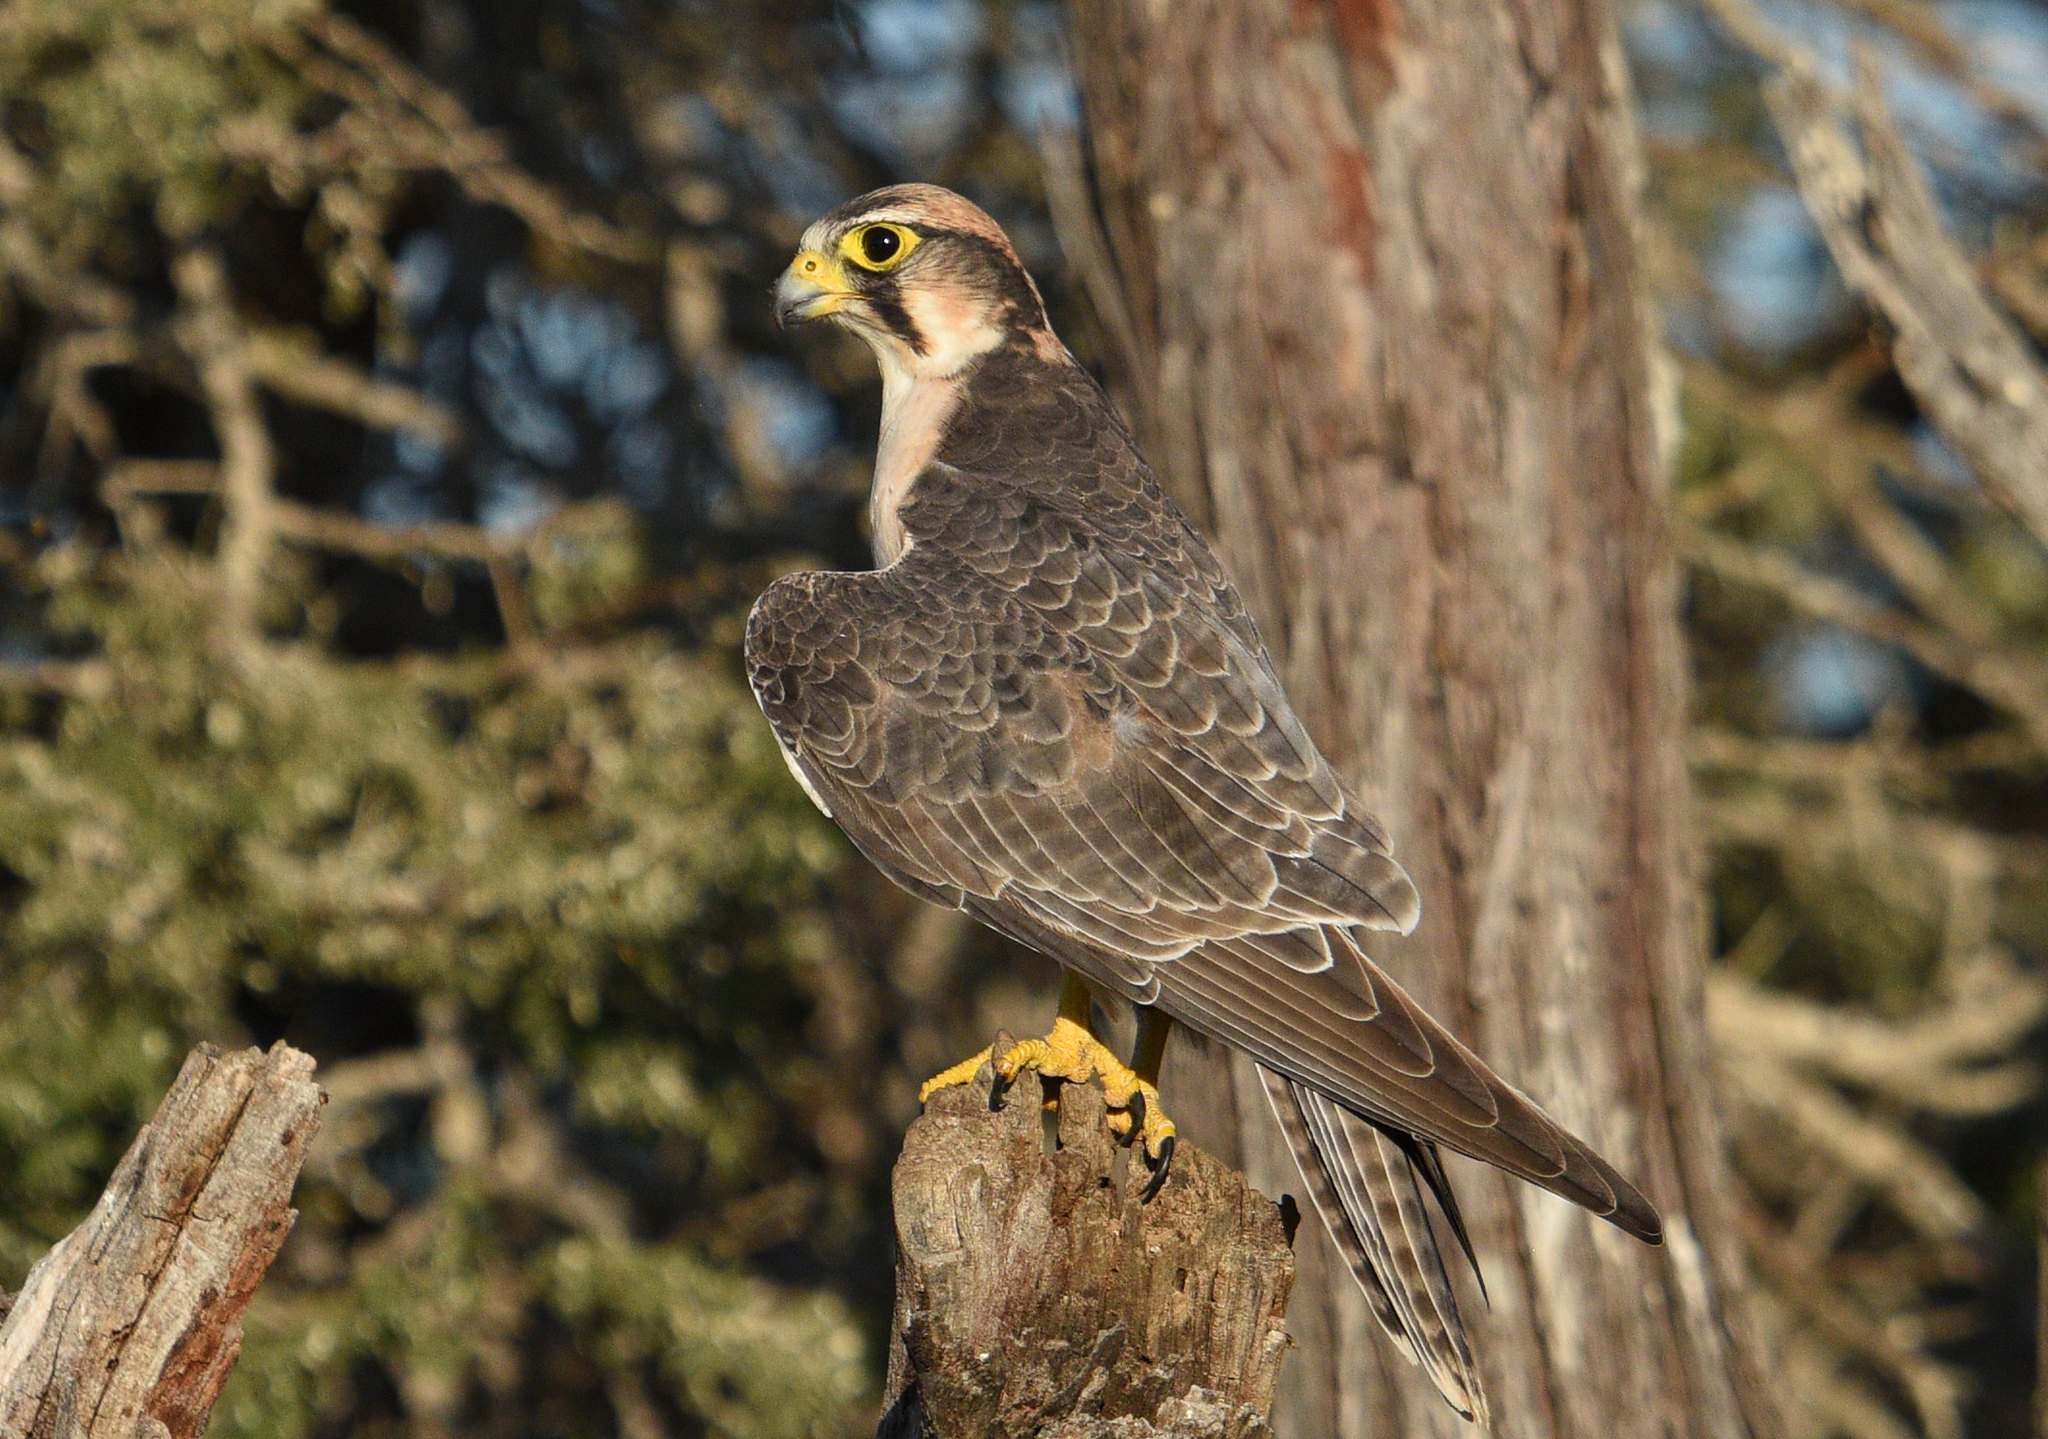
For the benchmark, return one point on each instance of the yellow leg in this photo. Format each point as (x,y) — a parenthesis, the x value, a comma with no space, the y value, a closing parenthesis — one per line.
(1150,1051)
(1068,1051)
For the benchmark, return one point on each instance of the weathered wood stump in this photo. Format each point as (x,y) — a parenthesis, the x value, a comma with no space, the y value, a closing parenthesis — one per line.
(129,1327)
(1037,1295)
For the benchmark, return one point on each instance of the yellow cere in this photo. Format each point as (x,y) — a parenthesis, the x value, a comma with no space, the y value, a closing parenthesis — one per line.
(821,270)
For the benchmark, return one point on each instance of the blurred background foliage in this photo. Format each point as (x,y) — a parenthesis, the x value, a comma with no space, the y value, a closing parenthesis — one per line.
(392,435)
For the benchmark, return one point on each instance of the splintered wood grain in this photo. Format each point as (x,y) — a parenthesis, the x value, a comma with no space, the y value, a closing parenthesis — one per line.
(129,1327)
(1036,1294)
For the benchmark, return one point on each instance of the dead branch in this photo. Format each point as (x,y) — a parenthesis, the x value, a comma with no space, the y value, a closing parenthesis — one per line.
(26,260)
(1949,55)
(1831,1095)
(1778,821)
(1830,1327)
(1036,1293)
(1881,1157)
(62,381)
(1919,772)
(1809,417)
(1962,1059)
(291,368)
(334,530)
(1968,365)
(129,1327)
(2013,681)
(213,337)
(321,529)
(401,120)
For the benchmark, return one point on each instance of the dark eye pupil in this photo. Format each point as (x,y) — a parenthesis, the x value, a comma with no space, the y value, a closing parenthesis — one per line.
(880,245)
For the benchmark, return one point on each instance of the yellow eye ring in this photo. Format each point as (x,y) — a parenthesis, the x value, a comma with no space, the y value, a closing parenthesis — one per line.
(880,247)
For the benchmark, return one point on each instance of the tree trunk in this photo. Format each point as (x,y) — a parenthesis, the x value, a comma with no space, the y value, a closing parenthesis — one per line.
(1372,267)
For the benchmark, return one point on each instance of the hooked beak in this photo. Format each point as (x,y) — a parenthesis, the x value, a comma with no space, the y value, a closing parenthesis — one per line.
(812,287)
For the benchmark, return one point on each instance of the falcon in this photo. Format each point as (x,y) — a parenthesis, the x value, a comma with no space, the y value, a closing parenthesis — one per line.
(1047,706)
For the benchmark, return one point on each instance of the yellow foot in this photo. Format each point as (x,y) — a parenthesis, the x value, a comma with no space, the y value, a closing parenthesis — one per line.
(1073,1055)
(1134,1109)
(963,1073)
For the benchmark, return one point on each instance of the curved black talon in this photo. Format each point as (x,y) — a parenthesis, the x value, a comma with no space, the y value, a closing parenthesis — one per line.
(998,1086)
(1136,1110)
(1158,1180)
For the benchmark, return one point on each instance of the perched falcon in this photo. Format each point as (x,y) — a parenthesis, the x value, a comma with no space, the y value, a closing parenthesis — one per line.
(1048,707)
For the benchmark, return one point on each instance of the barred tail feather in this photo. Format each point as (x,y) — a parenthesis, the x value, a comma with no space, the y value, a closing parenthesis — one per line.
(1367,1183)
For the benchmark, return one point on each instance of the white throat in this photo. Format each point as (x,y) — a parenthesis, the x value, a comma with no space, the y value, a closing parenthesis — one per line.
(919,396)
(915,412)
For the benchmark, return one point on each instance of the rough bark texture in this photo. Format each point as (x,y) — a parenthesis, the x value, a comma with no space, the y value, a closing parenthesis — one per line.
(129,1327)
(1036,1294)
(1371,265)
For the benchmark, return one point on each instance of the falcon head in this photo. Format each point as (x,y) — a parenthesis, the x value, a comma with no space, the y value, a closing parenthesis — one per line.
(921,274)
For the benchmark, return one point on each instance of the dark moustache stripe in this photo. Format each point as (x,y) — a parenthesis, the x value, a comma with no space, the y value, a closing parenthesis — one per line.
(888,308)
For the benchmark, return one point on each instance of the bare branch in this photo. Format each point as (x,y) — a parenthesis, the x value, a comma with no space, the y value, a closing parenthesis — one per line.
(1937,1391)
(1915,1183)
(1954,1060)
(296,371)
(418,126)
(57,287)
(129,1327)
(1917,772)
(2013,681)
(333,530)
(1777,822)
(213,336)
(1968,365)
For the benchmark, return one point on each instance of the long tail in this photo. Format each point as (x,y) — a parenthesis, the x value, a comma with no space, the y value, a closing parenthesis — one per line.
(1367,1184)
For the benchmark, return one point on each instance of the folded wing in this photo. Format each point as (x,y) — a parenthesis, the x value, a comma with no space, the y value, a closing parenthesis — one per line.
(1081,756)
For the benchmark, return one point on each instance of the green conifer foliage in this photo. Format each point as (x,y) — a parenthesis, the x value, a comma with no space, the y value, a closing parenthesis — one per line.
(577,897)
(504,844)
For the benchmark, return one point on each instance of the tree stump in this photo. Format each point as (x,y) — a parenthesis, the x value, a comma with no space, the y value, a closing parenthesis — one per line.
(1036,1294)
(129,1327)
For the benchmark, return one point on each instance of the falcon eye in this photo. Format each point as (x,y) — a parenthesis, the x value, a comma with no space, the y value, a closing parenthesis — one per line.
(880,247)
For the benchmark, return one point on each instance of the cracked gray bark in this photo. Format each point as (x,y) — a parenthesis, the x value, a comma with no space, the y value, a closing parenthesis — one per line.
(1370,271)
(129,1327)
(1036,1294)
